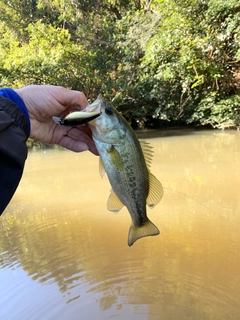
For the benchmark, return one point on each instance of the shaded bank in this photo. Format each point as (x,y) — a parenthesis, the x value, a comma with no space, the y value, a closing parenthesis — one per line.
(152,132)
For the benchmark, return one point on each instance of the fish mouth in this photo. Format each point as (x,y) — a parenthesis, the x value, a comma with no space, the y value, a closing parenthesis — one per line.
(96,106)
(82,117)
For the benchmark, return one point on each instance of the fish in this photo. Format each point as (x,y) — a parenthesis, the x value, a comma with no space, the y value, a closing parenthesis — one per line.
(126,160)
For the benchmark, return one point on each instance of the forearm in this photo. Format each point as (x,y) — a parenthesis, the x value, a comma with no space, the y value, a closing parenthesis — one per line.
(14,131)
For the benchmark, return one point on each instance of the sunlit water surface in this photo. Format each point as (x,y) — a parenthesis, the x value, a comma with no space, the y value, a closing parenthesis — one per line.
(64,256)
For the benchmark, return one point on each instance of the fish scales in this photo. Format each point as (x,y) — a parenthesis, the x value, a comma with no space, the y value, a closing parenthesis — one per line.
(135,185)
(124,162)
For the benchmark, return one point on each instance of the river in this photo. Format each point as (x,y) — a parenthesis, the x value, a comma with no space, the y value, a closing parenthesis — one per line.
(63,255)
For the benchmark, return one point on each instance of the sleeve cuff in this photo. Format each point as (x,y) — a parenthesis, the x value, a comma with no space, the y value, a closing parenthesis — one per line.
(12,95)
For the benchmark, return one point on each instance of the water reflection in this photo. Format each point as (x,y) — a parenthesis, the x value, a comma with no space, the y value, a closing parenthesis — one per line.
(59,244)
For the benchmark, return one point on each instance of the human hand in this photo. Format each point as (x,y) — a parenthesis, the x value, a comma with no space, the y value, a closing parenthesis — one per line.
(45,101)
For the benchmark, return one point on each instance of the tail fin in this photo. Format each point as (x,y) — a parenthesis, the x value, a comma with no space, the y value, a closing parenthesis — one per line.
(147,229)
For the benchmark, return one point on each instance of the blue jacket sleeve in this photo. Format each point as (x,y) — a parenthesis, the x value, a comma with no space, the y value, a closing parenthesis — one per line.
(14,132)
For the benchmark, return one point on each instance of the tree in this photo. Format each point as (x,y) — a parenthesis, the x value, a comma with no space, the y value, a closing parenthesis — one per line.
(164,59)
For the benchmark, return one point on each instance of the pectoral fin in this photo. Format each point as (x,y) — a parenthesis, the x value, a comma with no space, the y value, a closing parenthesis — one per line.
(114,204)
(155,193)
(135,233)
(115,158)
(101,167)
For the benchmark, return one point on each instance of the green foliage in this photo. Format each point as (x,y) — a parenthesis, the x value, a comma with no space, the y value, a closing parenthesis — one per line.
(185,59)
(164,59)
(219,113)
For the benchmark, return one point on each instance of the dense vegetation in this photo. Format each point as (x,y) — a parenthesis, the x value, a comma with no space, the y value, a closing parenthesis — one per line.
(157,60)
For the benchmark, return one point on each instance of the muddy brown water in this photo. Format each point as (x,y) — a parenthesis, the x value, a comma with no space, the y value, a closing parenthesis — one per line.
(64,256)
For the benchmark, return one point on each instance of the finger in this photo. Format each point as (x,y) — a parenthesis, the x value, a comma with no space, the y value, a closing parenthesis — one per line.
(77,140)
(93,149)
(72,98)
(73,145)
(83,134)
(80,133)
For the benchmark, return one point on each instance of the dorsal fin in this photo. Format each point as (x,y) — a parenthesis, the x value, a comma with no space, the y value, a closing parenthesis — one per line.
(147,152)
(155,193)
(113,203)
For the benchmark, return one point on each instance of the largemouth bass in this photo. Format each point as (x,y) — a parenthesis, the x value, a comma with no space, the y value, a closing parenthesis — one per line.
(126,161)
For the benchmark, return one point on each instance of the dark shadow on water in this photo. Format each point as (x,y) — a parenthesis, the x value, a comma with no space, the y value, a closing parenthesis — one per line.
(171,132)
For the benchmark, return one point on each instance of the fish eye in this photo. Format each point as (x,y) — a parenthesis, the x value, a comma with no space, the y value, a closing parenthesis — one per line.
(109,110)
